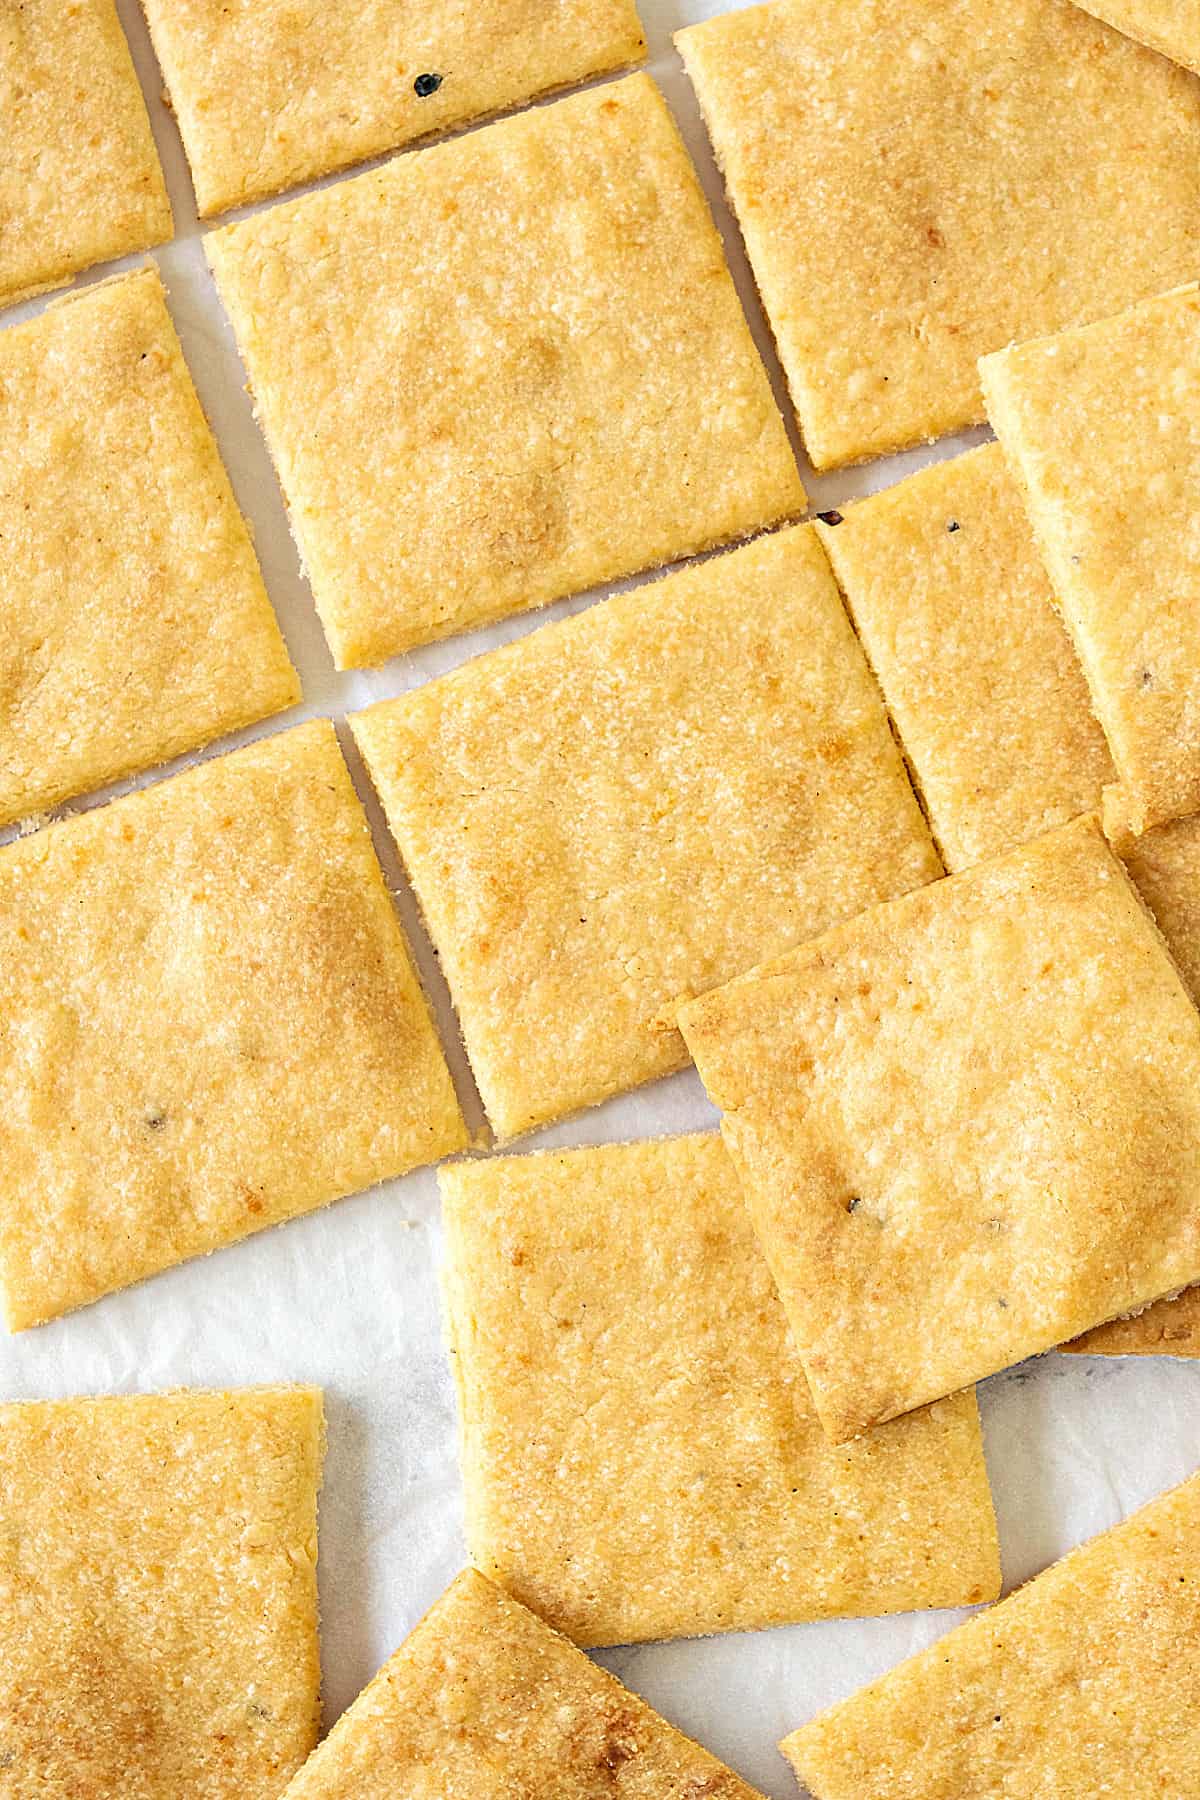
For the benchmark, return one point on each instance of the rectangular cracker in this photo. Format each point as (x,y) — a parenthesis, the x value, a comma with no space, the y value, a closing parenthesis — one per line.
(269,95)
(209,1022)
(638,803)
(1172,27)
(953,607)
(158,1594)
(503,370)
(136,624)
(1165,867)
(1080,1684)
(703,1495)
(1101,426)
(902,175)
(968,1124)
(486,1701)
(80,179)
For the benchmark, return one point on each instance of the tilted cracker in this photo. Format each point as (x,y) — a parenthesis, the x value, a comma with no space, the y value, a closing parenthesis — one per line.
(80,180)
(968,1124)
(269,94)
(136,624)
(955,612)
(209,1022)
(485,1702)
(703,1495)
(638,803)
(905,178)
(1102,426)
(503,370)
(1080,1684)
(1172,27)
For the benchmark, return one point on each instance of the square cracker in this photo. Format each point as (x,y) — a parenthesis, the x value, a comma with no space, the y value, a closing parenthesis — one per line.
(484,1700)
(1102,426)
(80,180)
(918,184)
(703,1495)
(209,1022)
(968,1124)
(158,1594)
(1080,1684)
(1165,867)
(953,607)
(503,370)
(268,94)
(135,621)
(1172,27)
(638,803)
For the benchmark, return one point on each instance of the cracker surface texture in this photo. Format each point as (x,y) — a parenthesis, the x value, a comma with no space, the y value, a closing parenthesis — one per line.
(209,1022)
(1102,425)
(503,370)
(703,1494)
(484,1701)
(639,803)
(135,624)
(1172,27)
(968,1124)
(1080,1684)
(919,184)
(954,609)
(268,94)
(80,180)
(158,1594)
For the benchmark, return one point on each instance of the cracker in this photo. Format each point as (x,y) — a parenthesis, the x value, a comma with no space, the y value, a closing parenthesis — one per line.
(268,95)
(953,607)
(80,180)
(136,624)
(1102,426)
(1080,1684)
(485,1700)
(1172,27)
(636,804)
(208,1023)
(158,1594)
(968,1124)
(703,1495)
(503,370)
(906,177)
(1165,867)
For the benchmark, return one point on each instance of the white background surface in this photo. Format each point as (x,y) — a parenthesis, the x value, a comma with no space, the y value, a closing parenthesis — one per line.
(348,1299)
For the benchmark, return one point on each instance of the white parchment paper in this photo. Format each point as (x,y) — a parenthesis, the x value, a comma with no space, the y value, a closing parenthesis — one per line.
(348,1298)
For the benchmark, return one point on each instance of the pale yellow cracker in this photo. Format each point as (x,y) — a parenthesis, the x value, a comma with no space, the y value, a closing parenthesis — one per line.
(1165,866)
(209,1022)
(133,619)
(1084,1683)
(485,1702)
(968,1124)
(921,183)
(80,180)
(158,1594)
(623,1286)
(1172,27)
(503,370)
(636,804)
(1102,426)
(269,94)
(955,612)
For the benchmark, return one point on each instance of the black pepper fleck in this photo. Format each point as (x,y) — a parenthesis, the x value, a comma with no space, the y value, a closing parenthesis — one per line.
(830,518)
(854,1204)
(1147,678)
(425,85)
(156,1118)
(954,525)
